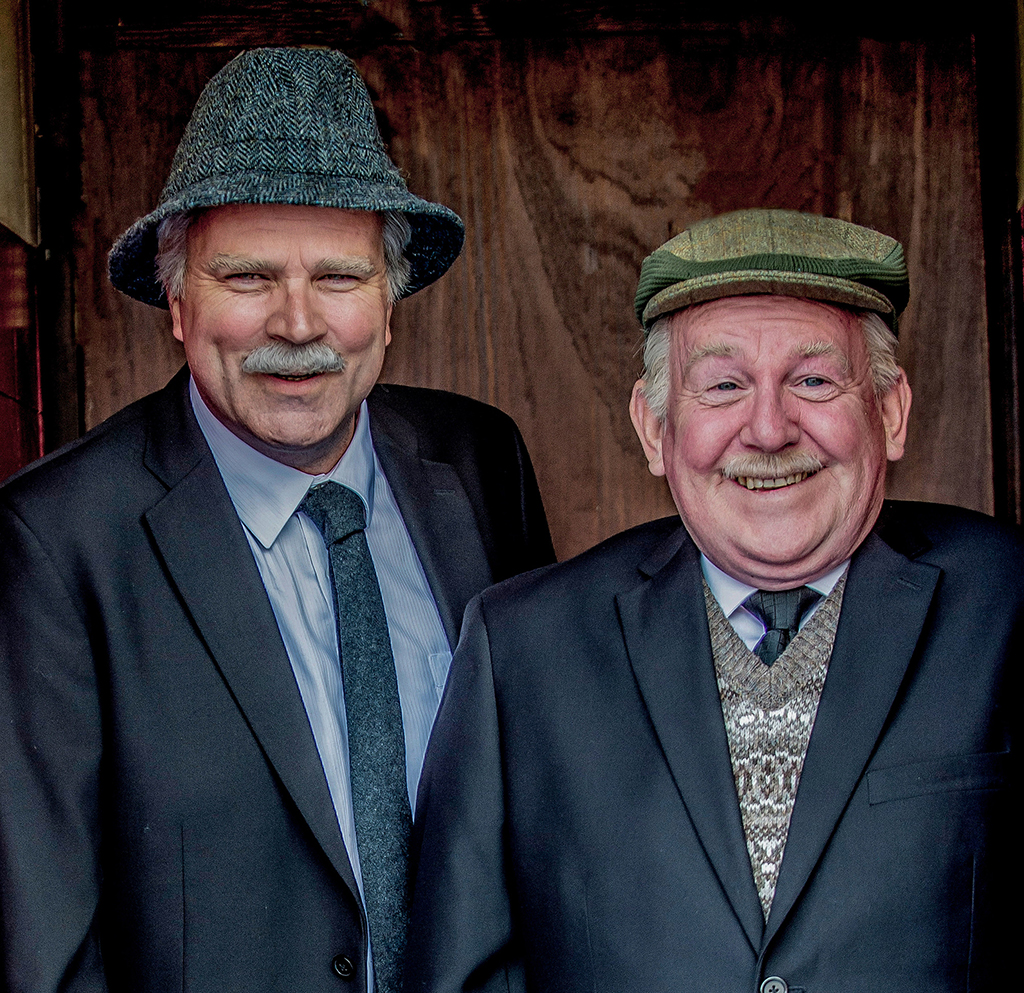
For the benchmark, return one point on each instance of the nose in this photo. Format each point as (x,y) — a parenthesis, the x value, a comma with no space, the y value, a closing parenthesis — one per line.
(297,317)
(771,425)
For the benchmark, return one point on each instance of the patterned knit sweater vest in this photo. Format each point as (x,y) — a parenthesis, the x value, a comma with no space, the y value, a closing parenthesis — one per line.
(769,713)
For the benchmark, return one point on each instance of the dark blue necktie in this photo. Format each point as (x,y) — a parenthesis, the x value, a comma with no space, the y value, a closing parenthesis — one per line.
(780,612)
(376,742)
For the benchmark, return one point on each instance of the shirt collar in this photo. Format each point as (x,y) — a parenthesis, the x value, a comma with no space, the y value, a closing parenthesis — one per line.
(266,493)
(730,593)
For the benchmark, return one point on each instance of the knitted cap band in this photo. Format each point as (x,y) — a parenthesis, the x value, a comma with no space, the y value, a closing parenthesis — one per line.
(663,269)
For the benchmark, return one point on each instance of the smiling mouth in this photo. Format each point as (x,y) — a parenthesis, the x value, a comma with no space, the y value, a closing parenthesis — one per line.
(759,483)
(771,470)
(295,378)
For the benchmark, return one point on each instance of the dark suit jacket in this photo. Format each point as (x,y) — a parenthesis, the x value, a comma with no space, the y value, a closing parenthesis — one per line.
(165,823)
(578,816)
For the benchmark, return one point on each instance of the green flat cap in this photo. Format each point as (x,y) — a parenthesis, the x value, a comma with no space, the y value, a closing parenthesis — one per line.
(780,252)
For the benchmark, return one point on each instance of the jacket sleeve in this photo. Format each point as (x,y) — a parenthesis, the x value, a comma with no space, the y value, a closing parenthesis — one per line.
(50,748)
(462,934)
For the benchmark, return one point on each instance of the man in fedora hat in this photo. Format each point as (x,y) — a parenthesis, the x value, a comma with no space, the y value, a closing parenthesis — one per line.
(765,747)
(227,613)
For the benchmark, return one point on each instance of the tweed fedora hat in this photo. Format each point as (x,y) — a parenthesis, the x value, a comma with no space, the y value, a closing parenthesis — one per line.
(285,126)
(781,252)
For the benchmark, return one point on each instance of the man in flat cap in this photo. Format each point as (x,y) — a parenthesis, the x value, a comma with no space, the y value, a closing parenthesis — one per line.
(226,614)
(763,748)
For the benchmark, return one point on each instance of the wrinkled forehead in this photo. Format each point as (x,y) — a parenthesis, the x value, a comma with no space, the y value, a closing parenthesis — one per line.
(749,325)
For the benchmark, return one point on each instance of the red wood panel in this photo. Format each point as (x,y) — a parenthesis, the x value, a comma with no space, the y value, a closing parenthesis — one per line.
(19,442)
(20,426)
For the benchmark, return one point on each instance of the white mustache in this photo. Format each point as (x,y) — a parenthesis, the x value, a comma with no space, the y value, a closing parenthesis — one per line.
(770,465)
(279,359)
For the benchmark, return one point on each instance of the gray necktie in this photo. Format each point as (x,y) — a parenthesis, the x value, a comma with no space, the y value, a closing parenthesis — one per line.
(780,612)
(376,742)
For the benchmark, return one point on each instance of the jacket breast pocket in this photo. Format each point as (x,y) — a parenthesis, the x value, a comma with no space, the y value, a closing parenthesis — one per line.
(984,771)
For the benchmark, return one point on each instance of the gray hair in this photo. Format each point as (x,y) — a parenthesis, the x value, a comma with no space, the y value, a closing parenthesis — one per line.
(172,252)
(879,339)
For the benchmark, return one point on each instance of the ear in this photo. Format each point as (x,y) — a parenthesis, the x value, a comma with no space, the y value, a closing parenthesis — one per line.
(387,325)
(895,406)
(650,429)
(175,308)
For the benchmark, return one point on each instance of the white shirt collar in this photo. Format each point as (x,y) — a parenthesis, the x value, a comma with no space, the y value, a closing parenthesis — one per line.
(730,593)
(265,492)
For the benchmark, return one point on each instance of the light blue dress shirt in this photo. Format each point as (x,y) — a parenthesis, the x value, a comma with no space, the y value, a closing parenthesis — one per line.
(293,564)
(730,594)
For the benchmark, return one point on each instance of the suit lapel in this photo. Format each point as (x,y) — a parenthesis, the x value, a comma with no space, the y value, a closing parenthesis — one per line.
(664,623)
(437,514)
(201,541)
(885,604)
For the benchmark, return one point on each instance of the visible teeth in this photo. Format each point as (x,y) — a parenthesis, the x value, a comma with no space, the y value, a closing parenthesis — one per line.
(757,483)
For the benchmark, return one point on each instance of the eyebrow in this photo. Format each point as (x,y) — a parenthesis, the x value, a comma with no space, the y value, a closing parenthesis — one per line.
(719,349)
(714,350)
(236,263)
(358,265)
(826,348)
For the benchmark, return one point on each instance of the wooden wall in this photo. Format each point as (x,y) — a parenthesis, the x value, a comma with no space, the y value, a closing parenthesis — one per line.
(571,154)
(20,424)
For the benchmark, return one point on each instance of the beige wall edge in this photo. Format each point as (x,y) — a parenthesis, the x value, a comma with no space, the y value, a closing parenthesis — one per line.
(17,169)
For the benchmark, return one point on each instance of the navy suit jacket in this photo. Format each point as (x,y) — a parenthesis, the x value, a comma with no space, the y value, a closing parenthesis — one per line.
(578,819)
(165,823)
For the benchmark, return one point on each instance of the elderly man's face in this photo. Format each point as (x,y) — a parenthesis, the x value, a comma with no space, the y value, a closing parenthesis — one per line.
(764,389)
(310,281)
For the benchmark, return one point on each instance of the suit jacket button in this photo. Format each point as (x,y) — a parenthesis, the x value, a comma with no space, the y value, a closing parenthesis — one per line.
(774,985)
(343,966)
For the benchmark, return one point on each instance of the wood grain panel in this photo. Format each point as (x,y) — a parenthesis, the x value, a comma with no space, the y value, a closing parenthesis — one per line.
(135,106)
(570,159)
(573,160)
(910,167)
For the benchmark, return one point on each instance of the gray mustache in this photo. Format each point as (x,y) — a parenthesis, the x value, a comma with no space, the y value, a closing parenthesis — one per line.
(279,359)
(770,465)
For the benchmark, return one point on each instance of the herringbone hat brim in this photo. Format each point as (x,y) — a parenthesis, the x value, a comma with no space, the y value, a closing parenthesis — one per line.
(286,126)
(782,252)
